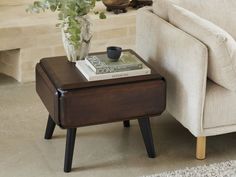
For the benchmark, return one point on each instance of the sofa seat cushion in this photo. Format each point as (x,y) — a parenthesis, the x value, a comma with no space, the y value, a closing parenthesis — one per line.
(221,46)
(219,107)
(220,12)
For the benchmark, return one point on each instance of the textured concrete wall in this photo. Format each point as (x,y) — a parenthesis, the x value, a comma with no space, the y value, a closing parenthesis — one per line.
(9,63)
(15,2)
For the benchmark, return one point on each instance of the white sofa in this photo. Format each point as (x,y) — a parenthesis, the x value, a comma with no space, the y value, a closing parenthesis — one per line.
(200,103)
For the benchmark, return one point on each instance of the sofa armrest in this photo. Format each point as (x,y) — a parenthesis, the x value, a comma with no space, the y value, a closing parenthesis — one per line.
(182,60)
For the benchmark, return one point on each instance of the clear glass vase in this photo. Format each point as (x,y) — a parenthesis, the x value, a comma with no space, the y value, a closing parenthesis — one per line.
(78,53)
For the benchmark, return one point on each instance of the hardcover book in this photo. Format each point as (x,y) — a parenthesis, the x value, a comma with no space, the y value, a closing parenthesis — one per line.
(90,75)
(101,64)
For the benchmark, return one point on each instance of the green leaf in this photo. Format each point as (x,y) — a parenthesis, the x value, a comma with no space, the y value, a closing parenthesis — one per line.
(36,3)
(53,8)
(69,11)
(60,16)
(102,15)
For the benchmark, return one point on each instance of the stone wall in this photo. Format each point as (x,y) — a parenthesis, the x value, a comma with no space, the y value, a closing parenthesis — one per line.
(14,2)
(26,38)
(10,64)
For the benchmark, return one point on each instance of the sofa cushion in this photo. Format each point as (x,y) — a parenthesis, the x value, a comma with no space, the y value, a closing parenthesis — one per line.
(222,13)
(221,46)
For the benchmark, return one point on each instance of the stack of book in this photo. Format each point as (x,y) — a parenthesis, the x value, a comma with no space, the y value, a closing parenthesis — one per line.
(100,67)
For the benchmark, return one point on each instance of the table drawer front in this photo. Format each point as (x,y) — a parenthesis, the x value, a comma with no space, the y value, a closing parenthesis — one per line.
(47,93)
(112,103)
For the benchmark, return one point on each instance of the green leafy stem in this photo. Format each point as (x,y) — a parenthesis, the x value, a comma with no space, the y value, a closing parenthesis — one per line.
(68,13)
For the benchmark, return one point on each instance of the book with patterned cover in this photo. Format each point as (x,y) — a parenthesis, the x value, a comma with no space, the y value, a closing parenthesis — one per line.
(90,75)
(101,64)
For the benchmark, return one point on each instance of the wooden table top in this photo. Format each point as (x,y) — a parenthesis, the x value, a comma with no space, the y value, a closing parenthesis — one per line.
(65,75)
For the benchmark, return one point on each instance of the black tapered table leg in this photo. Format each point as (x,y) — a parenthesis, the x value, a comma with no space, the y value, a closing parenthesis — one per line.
(126,123)
(70,143)
(50,128)
(145,127)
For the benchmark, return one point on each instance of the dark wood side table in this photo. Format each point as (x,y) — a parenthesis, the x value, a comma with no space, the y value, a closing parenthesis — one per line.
(74,102)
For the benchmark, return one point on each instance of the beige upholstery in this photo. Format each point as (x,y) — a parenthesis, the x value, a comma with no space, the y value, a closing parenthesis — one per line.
(170,51)
(220,12)
(220,107)
(221,46)
(202,106)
